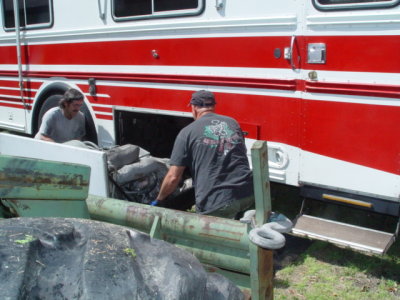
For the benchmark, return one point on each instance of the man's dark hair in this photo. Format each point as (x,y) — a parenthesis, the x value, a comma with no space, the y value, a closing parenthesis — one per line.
(69,96)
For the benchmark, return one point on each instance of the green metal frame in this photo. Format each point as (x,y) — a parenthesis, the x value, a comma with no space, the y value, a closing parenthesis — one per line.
(37,188)
(220,244)
(33,187)
(261,259)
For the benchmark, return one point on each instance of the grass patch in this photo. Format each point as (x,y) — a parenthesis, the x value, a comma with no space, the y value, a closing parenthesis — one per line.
(28,239)
(325,271)
(131,252)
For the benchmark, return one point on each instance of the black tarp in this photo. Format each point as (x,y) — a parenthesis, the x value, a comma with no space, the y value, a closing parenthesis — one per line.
(57,258)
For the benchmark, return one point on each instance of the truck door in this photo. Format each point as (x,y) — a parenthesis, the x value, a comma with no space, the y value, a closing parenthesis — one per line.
(350,112)
(351,101)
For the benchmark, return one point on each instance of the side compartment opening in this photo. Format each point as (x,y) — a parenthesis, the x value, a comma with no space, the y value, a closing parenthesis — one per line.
(155,133)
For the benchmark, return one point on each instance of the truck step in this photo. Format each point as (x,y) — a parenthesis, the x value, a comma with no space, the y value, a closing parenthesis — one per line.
(343,235)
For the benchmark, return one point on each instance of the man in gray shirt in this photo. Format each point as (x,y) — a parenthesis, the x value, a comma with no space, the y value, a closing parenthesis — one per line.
(213,148)
(66,122)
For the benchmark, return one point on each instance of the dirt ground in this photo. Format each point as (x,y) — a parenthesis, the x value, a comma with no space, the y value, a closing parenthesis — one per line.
(294,247)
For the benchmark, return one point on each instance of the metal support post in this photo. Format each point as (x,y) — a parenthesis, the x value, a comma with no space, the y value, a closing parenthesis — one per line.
(261,260)
(17,25)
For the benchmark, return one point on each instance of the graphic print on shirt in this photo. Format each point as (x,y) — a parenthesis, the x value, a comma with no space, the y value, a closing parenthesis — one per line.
(220,135)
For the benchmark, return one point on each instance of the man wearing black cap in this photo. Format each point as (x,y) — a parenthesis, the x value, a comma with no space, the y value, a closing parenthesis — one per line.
(213,148)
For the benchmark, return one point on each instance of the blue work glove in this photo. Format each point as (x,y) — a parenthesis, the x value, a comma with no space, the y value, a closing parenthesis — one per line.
(158,203)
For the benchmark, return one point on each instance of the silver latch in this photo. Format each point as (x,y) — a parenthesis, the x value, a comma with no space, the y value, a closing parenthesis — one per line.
(287,53)
(316,53)
(219,4)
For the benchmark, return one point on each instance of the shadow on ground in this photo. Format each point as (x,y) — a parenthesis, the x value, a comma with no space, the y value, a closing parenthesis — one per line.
(384,267)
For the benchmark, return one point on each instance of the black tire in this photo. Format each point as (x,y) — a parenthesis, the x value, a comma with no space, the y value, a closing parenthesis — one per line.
(58,258)
(53,101)
(91,134)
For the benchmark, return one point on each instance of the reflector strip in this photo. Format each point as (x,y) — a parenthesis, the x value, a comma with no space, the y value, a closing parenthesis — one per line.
(347,200)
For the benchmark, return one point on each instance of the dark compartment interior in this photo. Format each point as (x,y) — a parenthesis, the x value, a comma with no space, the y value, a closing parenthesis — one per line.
(154,132)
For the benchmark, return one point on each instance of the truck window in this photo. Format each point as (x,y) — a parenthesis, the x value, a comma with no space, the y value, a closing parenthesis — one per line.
(32,13)
(353,4)
(134,9)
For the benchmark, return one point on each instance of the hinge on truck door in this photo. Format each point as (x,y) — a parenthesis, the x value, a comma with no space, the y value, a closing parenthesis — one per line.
(92,86)
(219,4)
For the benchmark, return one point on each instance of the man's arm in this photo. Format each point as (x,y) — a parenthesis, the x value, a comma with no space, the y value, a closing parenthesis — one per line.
(45,138)
(170,182)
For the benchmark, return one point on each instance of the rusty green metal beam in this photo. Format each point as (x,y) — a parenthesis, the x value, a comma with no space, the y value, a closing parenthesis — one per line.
(27,178)
(221,242)
(262,194)
(33,187)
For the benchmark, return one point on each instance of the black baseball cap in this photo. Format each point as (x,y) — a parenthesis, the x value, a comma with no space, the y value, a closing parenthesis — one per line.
(203,98)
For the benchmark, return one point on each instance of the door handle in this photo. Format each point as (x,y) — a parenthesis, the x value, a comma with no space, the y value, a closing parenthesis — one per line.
(102,9)
(292,41)
(289,52)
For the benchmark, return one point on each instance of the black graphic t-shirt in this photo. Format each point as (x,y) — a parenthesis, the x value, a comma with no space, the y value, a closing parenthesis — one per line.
(214,150)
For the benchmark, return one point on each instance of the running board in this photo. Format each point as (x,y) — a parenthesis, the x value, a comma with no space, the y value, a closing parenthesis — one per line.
(343,235)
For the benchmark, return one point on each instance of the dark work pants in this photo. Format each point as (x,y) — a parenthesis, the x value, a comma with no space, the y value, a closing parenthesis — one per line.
(232,210)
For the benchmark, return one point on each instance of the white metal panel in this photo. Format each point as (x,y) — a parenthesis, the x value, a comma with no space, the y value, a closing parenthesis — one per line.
(318,170)
(12,118)
(353,99)
(270,73)
(355,77)
(134,30)
(105,133)
(383,21)
(345,176)
(32,148)
(237,18)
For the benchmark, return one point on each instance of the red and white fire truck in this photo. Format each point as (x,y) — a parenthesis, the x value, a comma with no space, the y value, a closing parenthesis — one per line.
(318,79)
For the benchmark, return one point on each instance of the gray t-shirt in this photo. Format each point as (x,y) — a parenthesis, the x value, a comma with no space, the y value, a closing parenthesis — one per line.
(214,150)
(57,127)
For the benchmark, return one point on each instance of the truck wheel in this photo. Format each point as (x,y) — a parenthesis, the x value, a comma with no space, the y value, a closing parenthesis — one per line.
(91,134)
(53,101)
